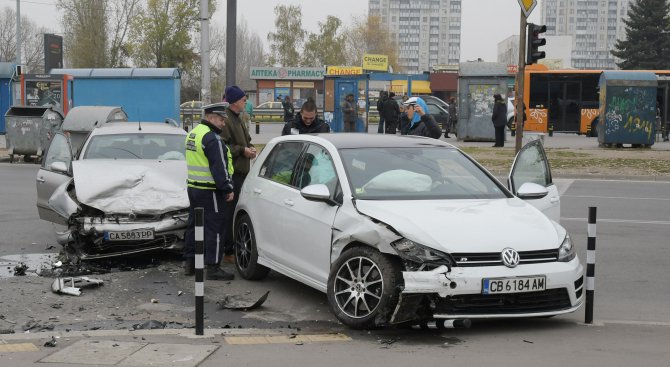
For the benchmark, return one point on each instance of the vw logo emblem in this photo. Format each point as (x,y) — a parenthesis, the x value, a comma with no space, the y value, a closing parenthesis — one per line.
(510,257)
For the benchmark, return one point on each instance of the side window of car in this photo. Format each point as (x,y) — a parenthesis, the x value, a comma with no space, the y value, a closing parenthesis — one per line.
(316,167)
(281,163)
(434,110)
(531,166)
(59,151)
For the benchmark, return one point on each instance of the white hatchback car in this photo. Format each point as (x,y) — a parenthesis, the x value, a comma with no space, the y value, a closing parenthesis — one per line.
(407,229)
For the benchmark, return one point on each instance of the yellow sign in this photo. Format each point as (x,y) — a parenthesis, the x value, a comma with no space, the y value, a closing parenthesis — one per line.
(375,62)
(527,6)
(344,70)
(303,84)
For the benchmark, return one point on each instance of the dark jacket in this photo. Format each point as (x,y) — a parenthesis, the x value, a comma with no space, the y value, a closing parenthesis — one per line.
(317,126)
(390,110)
(426,127)
(499,116)
(236,136)
(288,110)
(349,111)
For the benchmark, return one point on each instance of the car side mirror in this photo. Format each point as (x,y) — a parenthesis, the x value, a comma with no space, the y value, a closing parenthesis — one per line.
(318,192)
(531,190)
(58,167)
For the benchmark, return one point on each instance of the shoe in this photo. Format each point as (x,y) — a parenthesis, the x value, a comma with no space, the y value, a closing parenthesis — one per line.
(447,136)
(214,272)
(189,266)
(229,259)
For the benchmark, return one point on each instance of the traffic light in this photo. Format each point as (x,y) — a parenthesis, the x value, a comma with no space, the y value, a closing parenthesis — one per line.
(534,42)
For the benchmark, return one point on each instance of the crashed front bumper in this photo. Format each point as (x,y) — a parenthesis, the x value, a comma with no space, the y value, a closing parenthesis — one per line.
(168,235)
(458,294)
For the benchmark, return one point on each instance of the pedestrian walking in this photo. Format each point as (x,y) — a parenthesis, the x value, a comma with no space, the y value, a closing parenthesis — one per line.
(289,111)
(453,118)
(306,121)
(499,119)
(249,110)
(350,111)
(236,135)
(380,106)
(391,112)
(421,123)
(209,185)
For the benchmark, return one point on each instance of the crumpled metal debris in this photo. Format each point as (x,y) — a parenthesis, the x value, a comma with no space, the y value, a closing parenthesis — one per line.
(234,302)
(51,343)
(151,324)
(20,270)
(73,285)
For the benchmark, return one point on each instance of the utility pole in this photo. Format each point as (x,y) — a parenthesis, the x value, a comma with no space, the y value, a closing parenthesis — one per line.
(231,42)
(205,86)
(518,91)
(18,32)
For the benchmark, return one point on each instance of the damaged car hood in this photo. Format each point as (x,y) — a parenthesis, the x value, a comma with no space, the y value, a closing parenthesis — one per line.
(137,186)
(468,225)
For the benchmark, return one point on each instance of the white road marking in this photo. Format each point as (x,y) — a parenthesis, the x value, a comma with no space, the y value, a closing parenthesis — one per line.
(632,221)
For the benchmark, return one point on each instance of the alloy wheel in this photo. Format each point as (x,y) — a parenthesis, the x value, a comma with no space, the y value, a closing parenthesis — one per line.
(243,245)
(358,287)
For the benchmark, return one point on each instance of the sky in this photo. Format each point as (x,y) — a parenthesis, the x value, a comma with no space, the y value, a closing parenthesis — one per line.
(484,23)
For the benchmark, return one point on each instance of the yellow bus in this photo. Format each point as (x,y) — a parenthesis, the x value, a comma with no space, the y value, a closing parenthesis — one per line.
(567,100)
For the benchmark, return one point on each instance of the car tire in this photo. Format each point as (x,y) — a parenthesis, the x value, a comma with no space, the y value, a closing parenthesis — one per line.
(246,252)
(594,128)
(371,280)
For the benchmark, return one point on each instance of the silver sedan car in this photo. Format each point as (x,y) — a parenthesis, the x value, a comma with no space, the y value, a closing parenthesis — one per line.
(120,191)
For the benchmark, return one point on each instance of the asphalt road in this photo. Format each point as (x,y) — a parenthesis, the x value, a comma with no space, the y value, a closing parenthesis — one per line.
(631,308)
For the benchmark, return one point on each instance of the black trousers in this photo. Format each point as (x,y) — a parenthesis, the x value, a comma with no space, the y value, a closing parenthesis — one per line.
(229,208)
(500,135)
(212,203)
(350,126)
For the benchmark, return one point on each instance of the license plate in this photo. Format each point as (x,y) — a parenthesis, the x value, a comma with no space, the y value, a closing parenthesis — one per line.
(134,235)
(513,285)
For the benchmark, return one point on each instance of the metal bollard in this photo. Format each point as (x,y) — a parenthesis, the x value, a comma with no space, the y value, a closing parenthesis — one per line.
(199,272)
(258,127)
(590,265)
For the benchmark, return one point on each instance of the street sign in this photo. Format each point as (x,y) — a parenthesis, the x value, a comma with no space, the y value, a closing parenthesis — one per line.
(527,6)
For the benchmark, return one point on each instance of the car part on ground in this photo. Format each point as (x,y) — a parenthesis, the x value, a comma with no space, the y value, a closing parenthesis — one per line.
(72,286)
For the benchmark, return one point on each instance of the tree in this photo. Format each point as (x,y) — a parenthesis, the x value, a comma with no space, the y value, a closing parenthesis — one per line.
(160,34)
(86,36)
(367,36)
(287,41)
(32,39)
(647,43)
(326,47)
(122,12)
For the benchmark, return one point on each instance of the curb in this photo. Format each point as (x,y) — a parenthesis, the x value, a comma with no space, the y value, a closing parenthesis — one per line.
(185,332)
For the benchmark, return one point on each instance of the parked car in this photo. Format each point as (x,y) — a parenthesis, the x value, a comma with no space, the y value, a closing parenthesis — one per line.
(407,229)
(510,112)
(190,113)
(123,192)
(269,111)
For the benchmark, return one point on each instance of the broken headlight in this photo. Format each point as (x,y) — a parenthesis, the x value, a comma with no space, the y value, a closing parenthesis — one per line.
(567,250)
(412,251)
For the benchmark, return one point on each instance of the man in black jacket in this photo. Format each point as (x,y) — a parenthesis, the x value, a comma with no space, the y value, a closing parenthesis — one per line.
(420,123)
(391,113)
(306,122)
(499,119)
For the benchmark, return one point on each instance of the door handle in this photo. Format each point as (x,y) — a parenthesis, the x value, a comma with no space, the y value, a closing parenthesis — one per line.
(554,199)
(289,202)
(41,180)
(258,191)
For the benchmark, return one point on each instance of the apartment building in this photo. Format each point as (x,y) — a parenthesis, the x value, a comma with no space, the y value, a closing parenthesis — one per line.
(594,25)
(428,32)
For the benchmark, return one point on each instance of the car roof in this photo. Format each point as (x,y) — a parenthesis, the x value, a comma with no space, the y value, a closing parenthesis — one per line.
(354,140)
(134,127)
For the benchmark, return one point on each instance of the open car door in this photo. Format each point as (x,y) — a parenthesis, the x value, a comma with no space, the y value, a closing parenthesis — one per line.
(530,180)
(53,174)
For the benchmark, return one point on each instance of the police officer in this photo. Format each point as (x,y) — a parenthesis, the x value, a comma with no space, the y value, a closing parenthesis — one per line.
(210,184)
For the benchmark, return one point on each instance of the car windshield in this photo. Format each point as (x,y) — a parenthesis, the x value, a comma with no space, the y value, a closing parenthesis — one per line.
(417,173)
(136,146)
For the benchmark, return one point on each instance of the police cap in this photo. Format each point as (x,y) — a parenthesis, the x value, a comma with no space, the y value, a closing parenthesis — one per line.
(217,108)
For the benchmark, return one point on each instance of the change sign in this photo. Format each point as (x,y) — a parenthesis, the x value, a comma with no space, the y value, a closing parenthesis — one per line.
(375,62)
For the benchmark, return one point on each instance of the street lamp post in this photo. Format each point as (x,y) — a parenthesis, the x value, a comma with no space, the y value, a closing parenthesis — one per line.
(18,32)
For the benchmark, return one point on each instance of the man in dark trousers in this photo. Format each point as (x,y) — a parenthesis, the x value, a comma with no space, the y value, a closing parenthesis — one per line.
(391,112)
(209,186)
(288,109)
(499,119)
(306,121)
(236,135)
(383,96)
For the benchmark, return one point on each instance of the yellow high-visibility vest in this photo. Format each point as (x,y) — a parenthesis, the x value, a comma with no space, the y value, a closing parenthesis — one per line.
(199,175)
